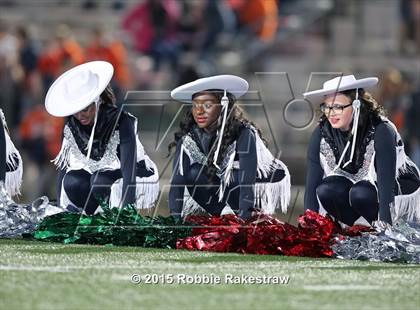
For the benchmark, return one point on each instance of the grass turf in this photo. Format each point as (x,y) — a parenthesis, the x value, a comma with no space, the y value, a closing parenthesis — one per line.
(37,275)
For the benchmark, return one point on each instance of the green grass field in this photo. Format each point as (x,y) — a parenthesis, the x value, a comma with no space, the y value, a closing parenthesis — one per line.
(37,275)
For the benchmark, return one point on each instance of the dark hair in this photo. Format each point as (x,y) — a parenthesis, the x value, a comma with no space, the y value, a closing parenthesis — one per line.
(108,96)
(370,115)
(370,110)
(22,33)
(235,122)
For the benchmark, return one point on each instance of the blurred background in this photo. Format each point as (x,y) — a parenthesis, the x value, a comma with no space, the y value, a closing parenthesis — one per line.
(282,47)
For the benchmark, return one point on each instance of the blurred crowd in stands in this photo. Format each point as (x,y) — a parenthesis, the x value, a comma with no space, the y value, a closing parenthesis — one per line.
(171,40)
(159,31)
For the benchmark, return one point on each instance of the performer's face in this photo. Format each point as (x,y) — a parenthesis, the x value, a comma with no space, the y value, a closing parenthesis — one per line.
(337,110)
(205,110)
(86,116)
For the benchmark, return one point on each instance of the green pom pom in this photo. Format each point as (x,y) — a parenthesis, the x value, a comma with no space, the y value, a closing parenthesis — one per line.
(112,227)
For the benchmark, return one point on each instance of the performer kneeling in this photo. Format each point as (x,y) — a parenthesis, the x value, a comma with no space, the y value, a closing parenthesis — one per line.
(220,157)
(357,166)
(101,158)
(11,168)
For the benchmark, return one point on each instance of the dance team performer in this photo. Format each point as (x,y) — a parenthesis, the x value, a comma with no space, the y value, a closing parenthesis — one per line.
(11,166)
(357,166)
(101,157)
(221,159)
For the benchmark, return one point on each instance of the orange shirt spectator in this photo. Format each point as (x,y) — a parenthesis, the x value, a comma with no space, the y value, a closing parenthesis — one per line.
(259,15)
(38,124)
(59,56)
(115,53)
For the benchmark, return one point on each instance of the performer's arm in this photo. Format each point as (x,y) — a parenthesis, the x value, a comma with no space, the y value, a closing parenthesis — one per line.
(2,153)
(385,162)
(176,191)
(128,159)
(247,153)
(314,172)
(60,177)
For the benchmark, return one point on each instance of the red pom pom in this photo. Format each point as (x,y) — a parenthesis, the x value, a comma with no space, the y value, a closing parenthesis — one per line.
(262,234)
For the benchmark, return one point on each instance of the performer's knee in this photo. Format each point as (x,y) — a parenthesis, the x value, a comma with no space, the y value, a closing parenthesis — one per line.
(75,185)
(196,175)
(278,175)
(323,191)
(362,195)
(100,185)
(333,188)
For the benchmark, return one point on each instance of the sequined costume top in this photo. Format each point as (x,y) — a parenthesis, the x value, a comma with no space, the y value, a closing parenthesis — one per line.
(115,146)
(11,166)
(380,158)
(247,153)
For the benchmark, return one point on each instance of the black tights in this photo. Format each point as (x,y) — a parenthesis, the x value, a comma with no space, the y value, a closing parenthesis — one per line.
(87,190)
(207,196)
(347,201)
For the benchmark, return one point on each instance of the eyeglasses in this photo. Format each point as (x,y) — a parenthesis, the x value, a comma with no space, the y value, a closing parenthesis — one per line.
(336,108)
(202,105)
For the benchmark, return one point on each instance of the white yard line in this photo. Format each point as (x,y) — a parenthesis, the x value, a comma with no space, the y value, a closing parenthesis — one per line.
(162,266)
(343,287)
(56,268)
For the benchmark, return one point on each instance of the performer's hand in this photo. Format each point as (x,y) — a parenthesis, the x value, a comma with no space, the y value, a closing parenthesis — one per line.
(380,226)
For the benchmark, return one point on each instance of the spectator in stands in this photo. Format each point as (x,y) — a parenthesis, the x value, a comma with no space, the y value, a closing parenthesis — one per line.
(393,95)
(40,135)
(28,51)
(9,74)
(28,85)
(410,26)
(152,25)
(413,127)
(202,23)
(257,17)
(104,47)
(60,54)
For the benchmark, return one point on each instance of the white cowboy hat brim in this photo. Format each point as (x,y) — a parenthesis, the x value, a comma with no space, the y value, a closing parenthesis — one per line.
(78,87)
(233,84)
(339,84)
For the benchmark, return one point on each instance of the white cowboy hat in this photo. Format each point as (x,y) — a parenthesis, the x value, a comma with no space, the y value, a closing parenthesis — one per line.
(78,87)
(338,84)
(233,84)
(228,83)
